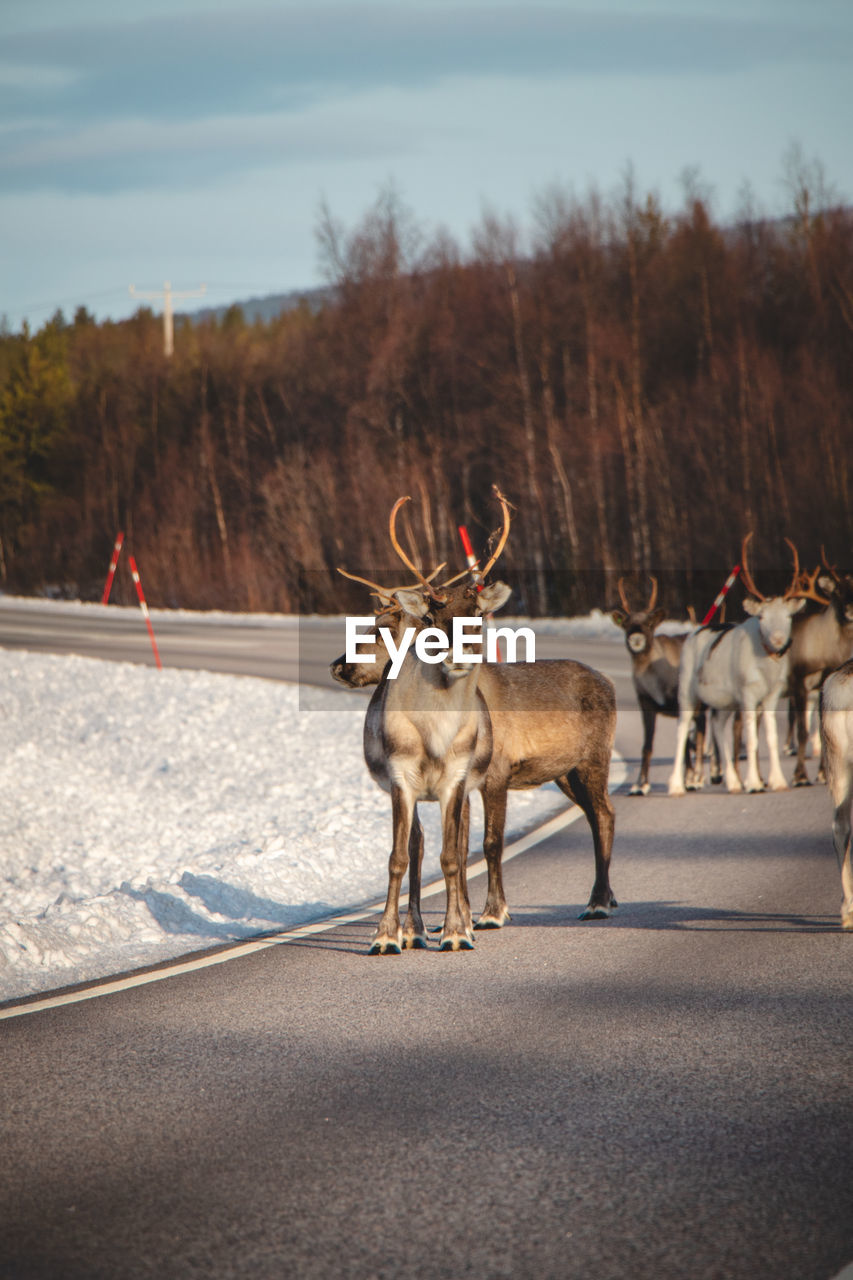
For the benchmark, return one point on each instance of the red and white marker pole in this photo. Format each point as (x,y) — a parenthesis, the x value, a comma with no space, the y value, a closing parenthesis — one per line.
(144,607)
(727,586)
(469,556)
(473,568)
(108,585)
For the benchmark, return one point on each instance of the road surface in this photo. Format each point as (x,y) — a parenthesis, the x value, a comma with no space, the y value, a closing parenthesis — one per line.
(665,1094)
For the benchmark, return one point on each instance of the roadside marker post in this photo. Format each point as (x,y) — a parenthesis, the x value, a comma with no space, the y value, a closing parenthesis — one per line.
(112,569)
(474,571)
(727,586)
(144,607)
(469,555)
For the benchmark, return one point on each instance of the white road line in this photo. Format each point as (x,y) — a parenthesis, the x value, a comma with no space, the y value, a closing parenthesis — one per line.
(618,774)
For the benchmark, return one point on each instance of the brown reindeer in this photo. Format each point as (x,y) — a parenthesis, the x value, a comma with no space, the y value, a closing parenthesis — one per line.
(655,671)
(551,720)
(836,727)
(428,736)
(821,640)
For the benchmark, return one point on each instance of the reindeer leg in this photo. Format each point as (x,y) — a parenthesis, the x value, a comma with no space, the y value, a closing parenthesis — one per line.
(389,935)
(776,778)
(839,777)
(457,933)
(790,736)
(495,913)
(750,728)
(813,746)
(800,699)
(819,747)
(590,794)
(730,772)
(464,830)
(414,933)
(843,850)
(676,778)
(642,786)
(695,773)
(716,756)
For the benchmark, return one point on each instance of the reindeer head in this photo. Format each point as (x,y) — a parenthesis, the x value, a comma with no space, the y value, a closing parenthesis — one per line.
(836,590)
(639,625)
(423,604)
(774,613)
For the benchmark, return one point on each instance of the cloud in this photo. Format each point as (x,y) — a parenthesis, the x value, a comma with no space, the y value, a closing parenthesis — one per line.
(192,72)
(138,153)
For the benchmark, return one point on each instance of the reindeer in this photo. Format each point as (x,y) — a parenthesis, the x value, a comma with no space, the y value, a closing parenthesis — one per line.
(820,641)
(743,669)
(428,736)
(654,668)
(836,728)
(552,721)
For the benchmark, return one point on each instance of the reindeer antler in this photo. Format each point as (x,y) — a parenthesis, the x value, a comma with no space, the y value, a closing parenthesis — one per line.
(385,593)
(807,588)
(830,568)
(504,532)
(375,588)
(744,571)
(792,591)
(392,529)
(653,598)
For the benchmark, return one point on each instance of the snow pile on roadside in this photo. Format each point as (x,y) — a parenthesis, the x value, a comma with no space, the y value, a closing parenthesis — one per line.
(145,814)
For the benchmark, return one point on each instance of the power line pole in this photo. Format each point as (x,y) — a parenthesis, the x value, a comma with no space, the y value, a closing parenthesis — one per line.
(167,293)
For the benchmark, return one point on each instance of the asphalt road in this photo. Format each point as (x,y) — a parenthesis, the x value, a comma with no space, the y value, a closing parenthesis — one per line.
(665,1094)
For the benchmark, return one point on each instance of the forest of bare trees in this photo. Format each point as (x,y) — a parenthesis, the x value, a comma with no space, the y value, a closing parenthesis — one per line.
(645,389)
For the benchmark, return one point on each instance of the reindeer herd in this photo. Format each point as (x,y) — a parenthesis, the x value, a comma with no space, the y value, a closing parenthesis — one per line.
(444,728)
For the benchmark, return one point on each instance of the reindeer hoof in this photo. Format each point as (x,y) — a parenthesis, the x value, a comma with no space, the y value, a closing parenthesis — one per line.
(596,913)
(493,919)
(716,779)
(675,790)
(847,921)
(414,942)
(801,781)
(383,945)
(640,789)
(457,942)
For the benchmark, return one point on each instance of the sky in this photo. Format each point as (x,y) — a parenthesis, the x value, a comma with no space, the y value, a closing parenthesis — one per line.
(195,141)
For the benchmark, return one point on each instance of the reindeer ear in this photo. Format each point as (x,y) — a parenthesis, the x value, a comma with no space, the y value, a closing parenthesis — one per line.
(412,602)
(619,618)
(751,605)
(826,584)
(657,618)
(494,596)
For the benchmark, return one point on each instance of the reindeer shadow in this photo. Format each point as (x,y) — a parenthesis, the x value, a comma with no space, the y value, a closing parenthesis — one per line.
(674,916)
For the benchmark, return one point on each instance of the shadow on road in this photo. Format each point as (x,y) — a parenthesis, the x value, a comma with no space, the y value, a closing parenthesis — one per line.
(674,915)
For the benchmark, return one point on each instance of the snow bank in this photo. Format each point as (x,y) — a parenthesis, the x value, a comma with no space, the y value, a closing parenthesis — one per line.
(145,814)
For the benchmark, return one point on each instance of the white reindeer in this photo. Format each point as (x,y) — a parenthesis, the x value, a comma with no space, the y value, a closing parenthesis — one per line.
(745,669)
(836,727)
